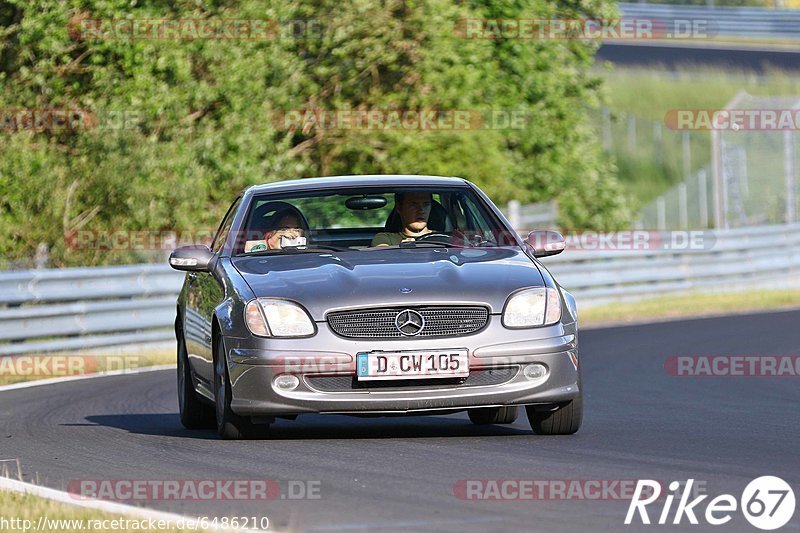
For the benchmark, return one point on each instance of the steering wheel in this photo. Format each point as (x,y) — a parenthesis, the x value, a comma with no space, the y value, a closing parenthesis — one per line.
(434,237)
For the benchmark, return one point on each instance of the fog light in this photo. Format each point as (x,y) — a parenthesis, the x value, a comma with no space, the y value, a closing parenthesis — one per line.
(535,371)
(286,382)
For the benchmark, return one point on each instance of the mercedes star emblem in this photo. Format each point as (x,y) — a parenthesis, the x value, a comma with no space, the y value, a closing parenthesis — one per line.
(409,322)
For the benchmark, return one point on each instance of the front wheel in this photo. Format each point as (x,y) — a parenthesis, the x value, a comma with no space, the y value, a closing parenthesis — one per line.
(565,420)
(230,426)
(194,413)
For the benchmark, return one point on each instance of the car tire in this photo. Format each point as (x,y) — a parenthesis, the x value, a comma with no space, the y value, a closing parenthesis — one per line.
(194,413)
(493,415)
(230,426)
(565,420)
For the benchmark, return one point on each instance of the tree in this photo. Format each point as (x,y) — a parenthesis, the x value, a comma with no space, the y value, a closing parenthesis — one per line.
(172,129)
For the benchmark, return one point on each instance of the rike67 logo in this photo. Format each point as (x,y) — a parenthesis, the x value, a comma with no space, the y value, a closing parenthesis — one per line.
(767,503)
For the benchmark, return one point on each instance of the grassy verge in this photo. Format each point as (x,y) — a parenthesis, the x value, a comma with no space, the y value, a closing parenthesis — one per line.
(45,366)
(689,306)
(19,508)
(650,93)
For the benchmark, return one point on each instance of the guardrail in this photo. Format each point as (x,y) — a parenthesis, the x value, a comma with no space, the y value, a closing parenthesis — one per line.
(71,308)
(737,259)
(538,215)
(75,308)
(748,22)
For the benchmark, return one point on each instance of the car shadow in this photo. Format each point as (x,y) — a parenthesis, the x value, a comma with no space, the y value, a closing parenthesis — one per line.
(161,424)
(310,427)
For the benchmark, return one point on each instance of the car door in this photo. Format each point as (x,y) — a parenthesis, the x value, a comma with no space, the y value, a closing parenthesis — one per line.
(203,295)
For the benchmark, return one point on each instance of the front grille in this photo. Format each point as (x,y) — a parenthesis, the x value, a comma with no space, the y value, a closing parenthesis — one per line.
(440,321)
(477,378)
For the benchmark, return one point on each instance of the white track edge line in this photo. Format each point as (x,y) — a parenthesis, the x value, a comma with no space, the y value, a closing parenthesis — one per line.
(64,379)
(100,505)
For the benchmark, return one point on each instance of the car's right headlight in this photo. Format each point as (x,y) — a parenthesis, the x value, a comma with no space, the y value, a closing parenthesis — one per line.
(529,308)
(267,317)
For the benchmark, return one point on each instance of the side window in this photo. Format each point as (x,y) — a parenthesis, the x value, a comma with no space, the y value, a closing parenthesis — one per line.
(474,220)
(455,209)
(225,227)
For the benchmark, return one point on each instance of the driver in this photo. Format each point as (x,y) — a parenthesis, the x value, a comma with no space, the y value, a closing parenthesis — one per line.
(414,208)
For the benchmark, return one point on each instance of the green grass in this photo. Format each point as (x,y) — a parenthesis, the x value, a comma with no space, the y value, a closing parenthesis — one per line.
(650,93)
(689,306)
(644,175)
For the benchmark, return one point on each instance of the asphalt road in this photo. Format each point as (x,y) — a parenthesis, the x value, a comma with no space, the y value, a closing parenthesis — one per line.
(675,55)
(392,474)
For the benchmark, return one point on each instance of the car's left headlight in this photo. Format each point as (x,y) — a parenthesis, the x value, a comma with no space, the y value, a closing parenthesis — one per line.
(528,308)
(267,317)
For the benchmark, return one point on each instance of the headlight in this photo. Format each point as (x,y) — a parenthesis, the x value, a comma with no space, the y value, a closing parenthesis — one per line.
(532,307)
(277,318)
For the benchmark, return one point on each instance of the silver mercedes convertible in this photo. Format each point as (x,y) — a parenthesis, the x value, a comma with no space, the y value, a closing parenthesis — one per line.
(373,295)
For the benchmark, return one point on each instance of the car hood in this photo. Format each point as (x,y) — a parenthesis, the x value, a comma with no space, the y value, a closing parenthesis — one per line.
(325,281)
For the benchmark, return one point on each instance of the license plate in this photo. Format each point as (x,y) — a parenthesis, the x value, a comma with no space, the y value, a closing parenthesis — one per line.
(406,365)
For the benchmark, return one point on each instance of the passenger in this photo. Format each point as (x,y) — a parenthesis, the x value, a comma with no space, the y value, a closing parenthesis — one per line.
(289,226)
(414,208)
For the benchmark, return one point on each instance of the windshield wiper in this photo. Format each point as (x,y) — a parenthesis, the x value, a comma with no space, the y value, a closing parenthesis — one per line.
(315,247)
(434,244)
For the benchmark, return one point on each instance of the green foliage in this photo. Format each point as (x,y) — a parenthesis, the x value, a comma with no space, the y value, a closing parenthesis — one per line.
(199,112)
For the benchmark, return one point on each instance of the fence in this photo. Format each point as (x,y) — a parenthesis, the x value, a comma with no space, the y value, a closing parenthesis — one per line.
(688,205)
(67,309)
(649,157)
(751,178)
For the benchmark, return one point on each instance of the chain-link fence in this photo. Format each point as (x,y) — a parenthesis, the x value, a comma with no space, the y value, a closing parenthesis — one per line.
(688,205)
(665,171)
(715,173)
(755,166)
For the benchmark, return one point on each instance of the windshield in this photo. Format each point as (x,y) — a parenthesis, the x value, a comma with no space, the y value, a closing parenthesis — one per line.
(370,219)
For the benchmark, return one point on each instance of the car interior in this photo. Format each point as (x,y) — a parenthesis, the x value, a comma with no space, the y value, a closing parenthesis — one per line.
(449,215)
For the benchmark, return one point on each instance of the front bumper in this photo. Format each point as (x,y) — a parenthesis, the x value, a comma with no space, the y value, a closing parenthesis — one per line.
(252,370)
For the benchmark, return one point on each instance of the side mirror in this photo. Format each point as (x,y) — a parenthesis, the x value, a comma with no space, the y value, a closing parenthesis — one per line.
(193,258)
(544,243)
